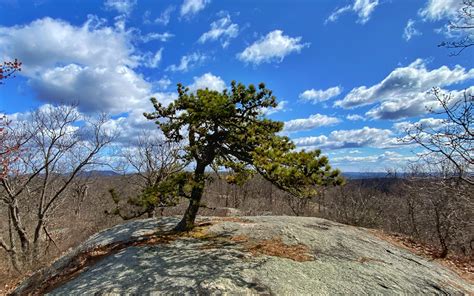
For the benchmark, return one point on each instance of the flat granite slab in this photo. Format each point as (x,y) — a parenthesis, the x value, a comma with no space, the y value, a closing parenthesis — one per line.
(265,255)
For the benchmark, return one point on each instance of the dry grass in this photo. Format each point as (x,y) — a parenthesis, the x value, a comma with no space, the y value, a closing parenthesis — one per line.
(233,219)
(274,247)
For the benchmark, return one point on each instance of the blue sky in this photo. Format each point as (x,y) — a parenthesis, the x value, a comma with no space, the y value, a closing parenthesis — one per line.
(349,75)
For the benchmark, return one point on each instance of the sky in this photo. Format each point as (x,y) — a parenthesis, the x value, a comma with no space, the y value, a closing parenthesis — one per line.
(349,75)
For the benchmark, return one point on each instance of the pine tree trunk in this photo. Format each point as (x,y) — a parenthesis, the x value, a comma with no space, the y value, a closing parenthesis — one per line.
(187,222)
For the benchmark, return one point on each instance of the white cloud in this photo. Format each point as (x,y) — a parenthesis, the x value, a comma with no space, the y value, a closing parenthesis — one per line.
(281,107)
(355,117)
(187,62)
(411,105)
(192,7)
(364,137)
(336,13)
(388,159)
(312,141)
(314,121)
(222,29)
(47,42)
(316,96)
(163,37)
(92,63)
(154,61)
(93,88)
(165,16)
(354,151)
(209,81)
(405,90)
(406,106)
(440,9)
(424,123)
(410,31)
(274,47)
(121,6)
(134,123)
(163,83)
(363,9)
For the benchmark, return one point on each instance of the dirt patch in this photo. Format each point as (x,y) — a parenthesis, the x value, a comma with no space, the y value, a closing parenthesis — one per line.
(271,247)
(461,266)
(274,247)
(233,219)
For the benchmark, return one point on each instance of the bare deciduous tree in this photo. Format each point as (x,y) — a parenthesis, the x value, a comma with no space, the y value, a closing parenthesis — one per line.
(8,69)
(454,139)
(149,162)
(463,26)
(443,205)
(57,145)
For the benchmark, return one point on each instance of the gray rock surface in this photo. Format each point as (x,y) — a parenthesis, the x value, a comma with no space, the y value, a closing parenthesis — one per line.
(346,260)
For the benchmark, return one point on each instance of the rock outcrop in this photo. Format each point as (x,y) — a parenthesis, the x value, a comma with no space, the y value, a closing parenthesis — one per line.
(276,255)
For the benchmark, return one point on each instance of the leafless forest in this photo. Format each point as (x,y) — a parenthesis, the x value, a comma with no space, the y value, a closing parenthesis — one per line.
(428,210)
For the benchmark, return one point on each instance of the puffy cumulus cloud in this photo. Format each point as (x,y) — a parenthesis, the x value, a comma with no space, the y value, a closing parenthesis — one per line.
(411,105)
(48,42)
(311,141)
(133,124)
(223,29)
(363,9)
(355,117)
(93,88)
(407,106)
(405,87)
(192,7)
(424,123)
(121,6)
(274,47)
(209,81)
(388,158)
(364,137)
(315,96)
(314,121)
(91,64)
(414,78)
(187,62)
(440,9)
(410,31)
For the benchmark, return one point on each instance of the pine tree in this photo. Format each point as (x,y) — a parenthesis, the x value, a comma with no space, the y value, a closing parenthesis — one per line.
(228,129)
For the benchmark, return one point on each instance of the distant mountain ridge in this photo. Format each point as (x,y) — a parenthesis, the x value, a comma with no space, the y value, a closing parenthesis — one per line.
(365,175)
(104,173)
(348,175)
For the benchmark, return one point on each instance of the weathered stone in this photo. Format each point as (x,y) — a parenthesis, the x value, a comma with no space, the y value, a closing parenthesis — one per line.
(345,260)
